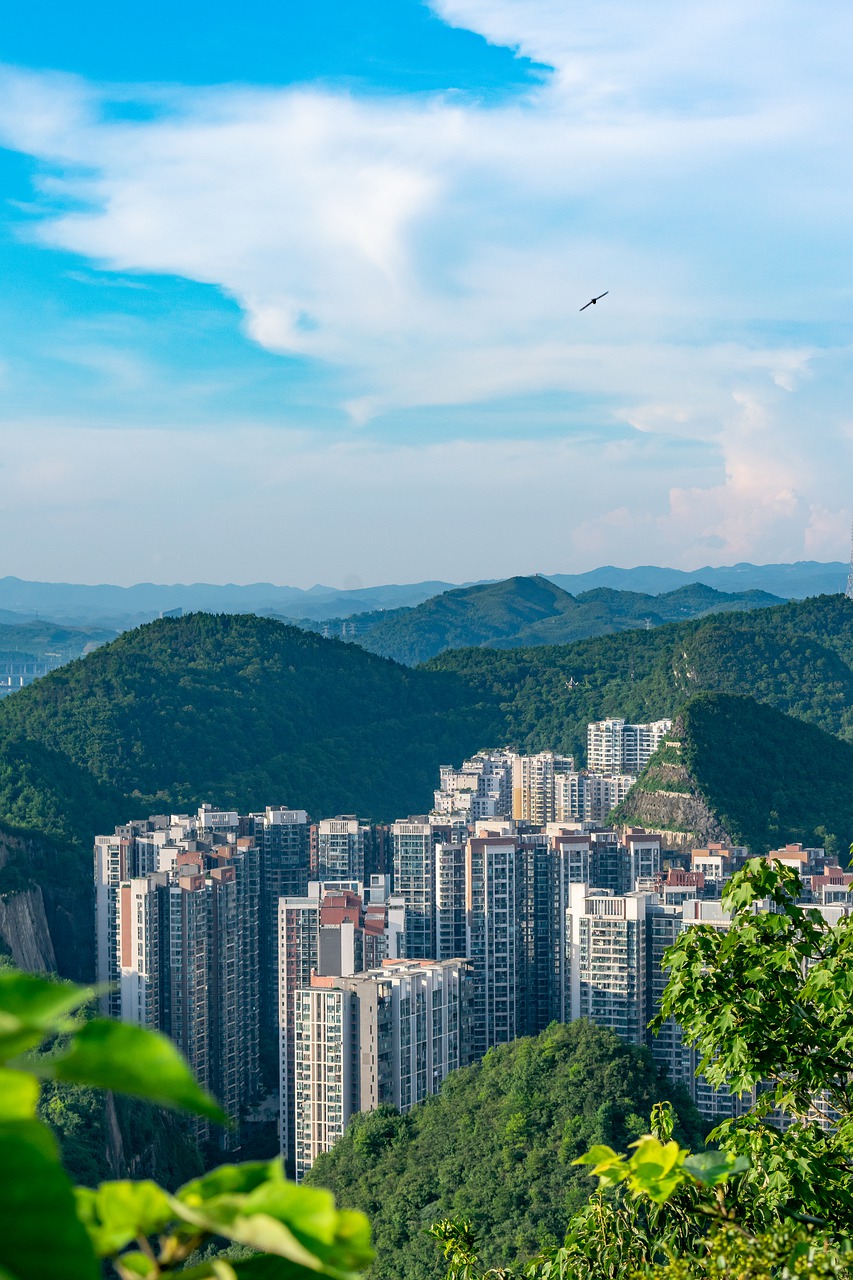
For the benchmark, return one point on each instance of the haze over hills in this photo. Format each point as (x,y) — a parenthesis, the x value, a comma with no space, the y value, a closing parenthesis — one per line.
(247,711)
(533,611)
(117,608)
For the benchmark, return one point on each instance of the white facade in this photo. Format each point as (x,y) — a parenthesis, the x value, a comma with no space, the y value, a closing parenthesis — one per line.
(387,1036)
(613,746)
(340,848)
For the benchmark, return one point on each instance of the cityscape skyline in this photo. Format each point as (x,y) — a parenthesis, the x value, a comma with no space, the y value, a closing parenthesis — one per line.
(315,969)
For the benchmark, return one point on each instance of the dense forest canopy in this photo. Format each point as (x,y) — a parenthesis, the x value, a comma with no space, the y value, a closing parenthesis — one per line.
(497,1145)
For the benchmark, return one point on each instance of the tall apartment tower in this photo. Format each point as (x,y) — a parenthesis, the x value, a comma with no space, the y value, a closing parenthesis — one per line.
(494,886)
(389,1036)
(607,936)
(414,842)
(451,936)
(533,795)
(341,845)
(282,836)
(613,747)
(589,797)
(334,931)
(482,788)
(185,933)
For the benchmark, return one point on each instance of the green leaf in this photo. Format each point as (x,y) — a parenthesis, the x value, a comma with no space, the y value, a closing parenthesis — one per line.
(33,1008)
(118,1212)
(128,1059)
(712,1168)
(19,1095)
(255,1205)
(654,1169)
(40,1233)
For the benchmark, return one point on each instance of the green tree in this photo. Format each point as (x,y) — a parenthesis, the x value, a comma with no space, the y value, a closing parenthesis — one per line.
(769,1004)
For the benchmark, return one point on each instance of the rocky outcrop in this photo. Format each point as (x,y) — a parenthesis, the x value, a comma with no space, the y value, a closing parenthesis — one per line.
(25,932)
(682,821)
(667,801)
(46,914)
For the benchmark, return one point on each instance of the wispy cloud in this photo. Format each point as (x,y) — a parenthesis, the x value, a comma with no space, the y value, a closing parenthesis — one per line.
(433,252)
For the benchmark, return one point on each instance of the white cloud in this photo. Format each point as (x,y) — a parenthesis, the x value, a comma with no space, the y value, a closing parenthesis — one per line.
(435,252)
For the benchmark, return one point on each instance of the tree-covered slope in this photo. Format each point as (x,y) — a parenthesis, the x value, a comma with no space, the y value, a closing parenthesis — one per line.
(239,709)
(797,657)
(739,770)
(533,611)
(496,1145)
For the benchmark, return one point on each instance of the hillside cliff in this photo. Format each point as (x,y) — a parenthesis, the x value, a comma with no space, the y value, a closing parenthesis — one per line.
(739,772)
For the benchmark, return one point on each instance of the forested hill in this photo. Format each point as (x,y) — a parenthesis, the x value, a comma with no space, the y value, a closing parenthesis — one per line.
(246,711)
(237,709)
(533,611)
(741,772)
(797,657)
(496,1146)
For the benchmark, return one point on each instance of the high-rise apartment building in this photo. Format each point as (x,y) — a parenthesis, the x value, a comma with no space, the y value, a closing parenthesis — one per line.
(337,930)
(614,747)
(341,845)
(387,1036)
(589,797)
(533,794)
(607,936)
(451,936)
(177,920)
(482,788)
(494,885)
(282,836)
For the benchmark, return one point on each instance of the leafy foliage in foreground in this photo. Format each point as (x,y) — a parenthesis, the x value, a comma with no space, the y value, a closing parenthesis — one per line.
(496,1145)
(49,1229)
(768,1003)
(793,1052)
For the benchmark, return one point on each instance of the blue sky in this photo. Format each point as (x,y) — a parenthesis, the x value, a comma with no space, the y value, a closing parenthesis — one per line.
(292,292)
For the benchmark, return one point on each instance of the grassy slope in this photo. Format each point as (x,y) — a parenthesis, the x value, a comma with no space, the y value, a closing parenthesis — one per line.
(496,1145)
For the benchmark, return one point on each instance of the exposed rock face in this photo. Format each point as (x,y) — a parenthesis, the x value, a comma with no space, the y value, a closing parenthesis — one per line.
(682,821)
(667,801)
(24,929)
(46,922)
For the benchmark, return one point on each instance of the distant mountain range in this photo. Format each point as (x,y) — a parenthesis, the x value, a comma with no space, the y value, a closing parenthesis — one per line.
(116,608)
(535,611)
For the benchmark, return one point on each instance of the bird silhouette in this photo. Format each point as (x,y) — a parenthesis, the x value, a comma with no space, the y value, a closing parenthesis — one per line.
(593,301)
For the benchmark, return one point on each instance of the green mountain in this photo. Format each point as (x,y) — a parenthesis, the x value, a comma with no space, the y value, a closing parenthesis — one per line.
(797,657)
(531,611)
(741,772)
(246,711)
(233,706)
(496,1145)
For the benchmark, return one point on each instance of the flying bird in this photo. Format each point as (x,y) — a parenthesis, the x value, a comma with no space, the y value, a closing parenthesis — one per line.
(593,301)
